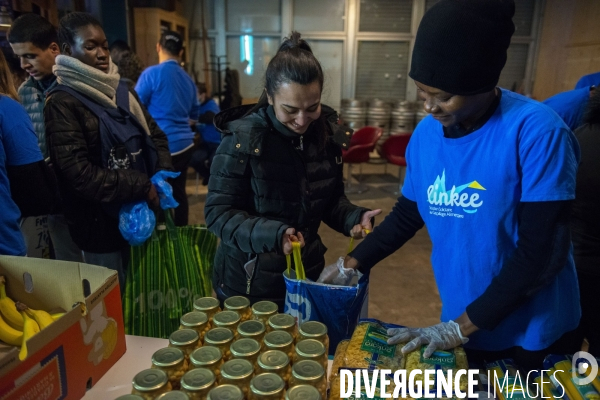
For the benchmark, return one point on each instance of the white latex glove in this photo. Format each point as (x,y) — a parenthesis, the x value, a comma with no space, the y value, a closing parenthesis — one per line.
(442,336)
(336,274)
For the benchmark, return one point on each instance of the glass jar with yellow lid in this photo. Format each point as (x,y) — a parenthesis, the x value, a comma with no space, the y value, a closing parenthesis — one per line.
(267,386)
(251,329)
(208,305)
(310,349)
(173,395)
(240,304)
(246,349)
(171,360)
(226,392)
(280,340)
(197,383)
(220,338)
(263,310)
(308,372)
(283,322)
(196,320)
(314,330)
(226,319)
(151,383)
(303,392)
(187,340)
(237,372)
(208,357)
(277,362)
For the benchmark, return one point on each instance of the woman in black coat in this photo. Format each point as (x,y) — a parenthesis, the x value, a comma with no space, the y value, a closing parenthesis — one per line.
(276,175)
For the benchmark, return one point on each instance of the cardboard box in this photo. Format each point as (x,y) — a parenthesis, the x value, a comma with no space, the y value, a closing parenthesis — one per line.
(74,352)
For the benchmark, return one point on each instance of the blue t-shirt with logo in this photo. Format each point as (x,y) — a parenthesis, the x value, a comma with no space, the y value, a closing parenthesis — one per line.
(570,105)
(18,146)
(468,190)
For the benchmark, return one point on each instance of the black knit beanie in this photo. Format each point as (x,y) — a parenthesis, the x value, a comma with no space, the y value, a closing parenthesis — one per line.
(461,45)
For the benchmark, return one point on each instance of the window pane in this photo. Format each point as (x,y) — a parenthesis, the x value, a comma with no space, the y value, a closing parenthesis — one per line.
(253,16)
(250,55)
(385,15)
(330,15)
(329,53)
(513,74)
(382,70)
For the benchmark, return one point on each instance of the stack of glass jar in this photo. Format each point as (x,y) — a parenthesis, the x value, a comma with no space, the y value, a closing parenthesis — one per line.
(243,352)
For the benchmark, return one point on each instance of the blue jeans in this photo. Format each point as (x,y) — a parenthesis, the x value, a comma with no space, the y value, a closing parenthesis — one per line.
(112,261)
(64,247)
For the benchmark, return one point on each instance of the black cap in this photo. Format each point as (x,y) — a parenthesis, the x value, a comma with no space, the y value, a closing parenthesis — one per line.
(461,45)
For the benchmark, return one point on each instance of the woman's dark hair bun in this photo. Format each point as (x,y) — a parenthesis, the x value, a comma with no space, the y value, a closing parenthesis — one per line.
(294,41)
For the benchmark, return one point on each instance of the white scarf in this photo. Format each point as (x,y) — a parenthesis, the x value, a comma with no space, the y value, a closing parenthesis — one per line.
(97,85)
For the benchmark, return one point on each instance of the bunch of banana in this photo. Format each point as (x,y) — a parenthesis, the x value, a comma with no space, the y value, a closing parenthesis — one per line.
(30,328)
(8,309)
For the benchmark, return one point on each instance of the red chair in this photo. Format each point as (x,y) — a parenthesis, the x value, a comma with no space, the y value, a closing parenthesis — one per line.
(361,144)
(394,149)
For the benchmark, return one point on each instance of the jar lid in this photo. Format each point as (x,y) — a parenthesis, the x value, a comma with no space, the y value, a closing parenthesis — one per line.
(251,328)
(130,397)
(308,370)
(194,319)
(273,360)
(236,303)
(278,339)
(205,356)
(206,304)
(218,336)
(282,321)
(264,308)
(149,380)
(184,337)
(303,392)
(173,395)
(225,392)
(267,384)
(226,318)
(168,357)
(245,347)
(313,329)
(310,348)
(237,368)
(197,379)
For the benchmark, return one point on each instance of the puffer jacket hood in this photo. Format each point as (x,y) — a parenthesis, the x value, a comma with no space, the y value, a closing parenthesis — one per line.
(261,184)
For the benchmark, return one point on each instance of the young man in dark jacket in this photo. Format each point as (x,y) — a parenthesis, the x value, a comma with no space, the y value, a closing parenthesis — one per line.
(34,41)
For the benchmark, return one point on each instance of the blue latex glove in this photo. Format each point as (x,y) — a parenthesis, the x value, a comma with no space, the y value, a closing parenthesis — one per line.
(165,191)
(443,336)
(136,222)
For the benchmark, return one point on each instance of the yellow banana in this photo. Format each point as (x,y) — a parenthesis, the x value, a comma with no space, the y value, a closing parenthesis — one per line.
(7,307)
(40,316)
(30,328)
(10,335)
(57,315)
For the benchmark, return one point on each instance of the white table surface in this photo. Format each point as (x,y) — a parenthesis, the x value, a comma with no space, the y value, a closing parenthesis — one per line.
(117,381)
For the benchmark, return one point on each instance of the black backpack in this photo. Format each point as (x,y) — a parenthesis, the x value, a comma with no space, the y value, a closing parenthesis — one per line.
(125,143)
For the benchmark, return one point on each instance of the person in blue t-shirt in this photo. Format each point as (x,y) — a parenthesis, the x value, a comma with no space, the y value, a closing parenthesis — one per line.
(209,135)
(492,175)
(588,80)
(570,105)
(26,183)
(170,96)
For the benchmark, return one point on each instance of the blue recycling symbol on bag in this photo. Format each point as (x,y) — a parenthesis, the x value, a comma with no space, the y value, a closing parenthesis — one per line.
(338,307)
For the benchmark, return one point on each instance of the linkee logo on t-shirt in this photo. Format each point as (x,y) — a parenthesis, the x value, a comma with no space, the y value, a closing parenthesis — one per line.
(442,201)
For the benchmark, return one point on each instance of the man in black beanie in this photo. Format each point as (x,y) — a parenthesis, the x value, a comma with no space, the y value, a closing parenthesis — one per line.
(492,175)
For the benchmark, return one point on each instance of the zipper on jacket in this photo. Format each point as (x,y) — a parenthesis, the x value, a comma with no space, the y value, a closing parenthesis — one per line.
(250,265)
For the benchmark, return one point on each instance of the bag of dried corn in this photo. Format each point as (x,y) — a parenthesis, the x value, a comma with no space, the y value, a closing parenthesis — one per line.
(444,360)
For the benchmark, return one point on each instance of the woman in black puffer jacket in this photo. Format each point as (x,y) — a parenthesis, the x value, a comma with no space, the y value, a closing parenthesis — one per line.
(276,175)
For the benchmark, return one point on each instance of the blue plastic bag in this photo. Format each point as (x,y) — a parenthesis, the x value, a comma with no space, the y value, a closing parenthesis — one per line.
(165,191)
(136,222)
(338,307)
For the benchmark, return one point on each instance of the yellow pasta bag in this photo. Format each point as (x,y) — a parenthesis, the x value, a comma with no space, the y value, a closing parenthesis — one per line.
(444,360)
(338,359)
